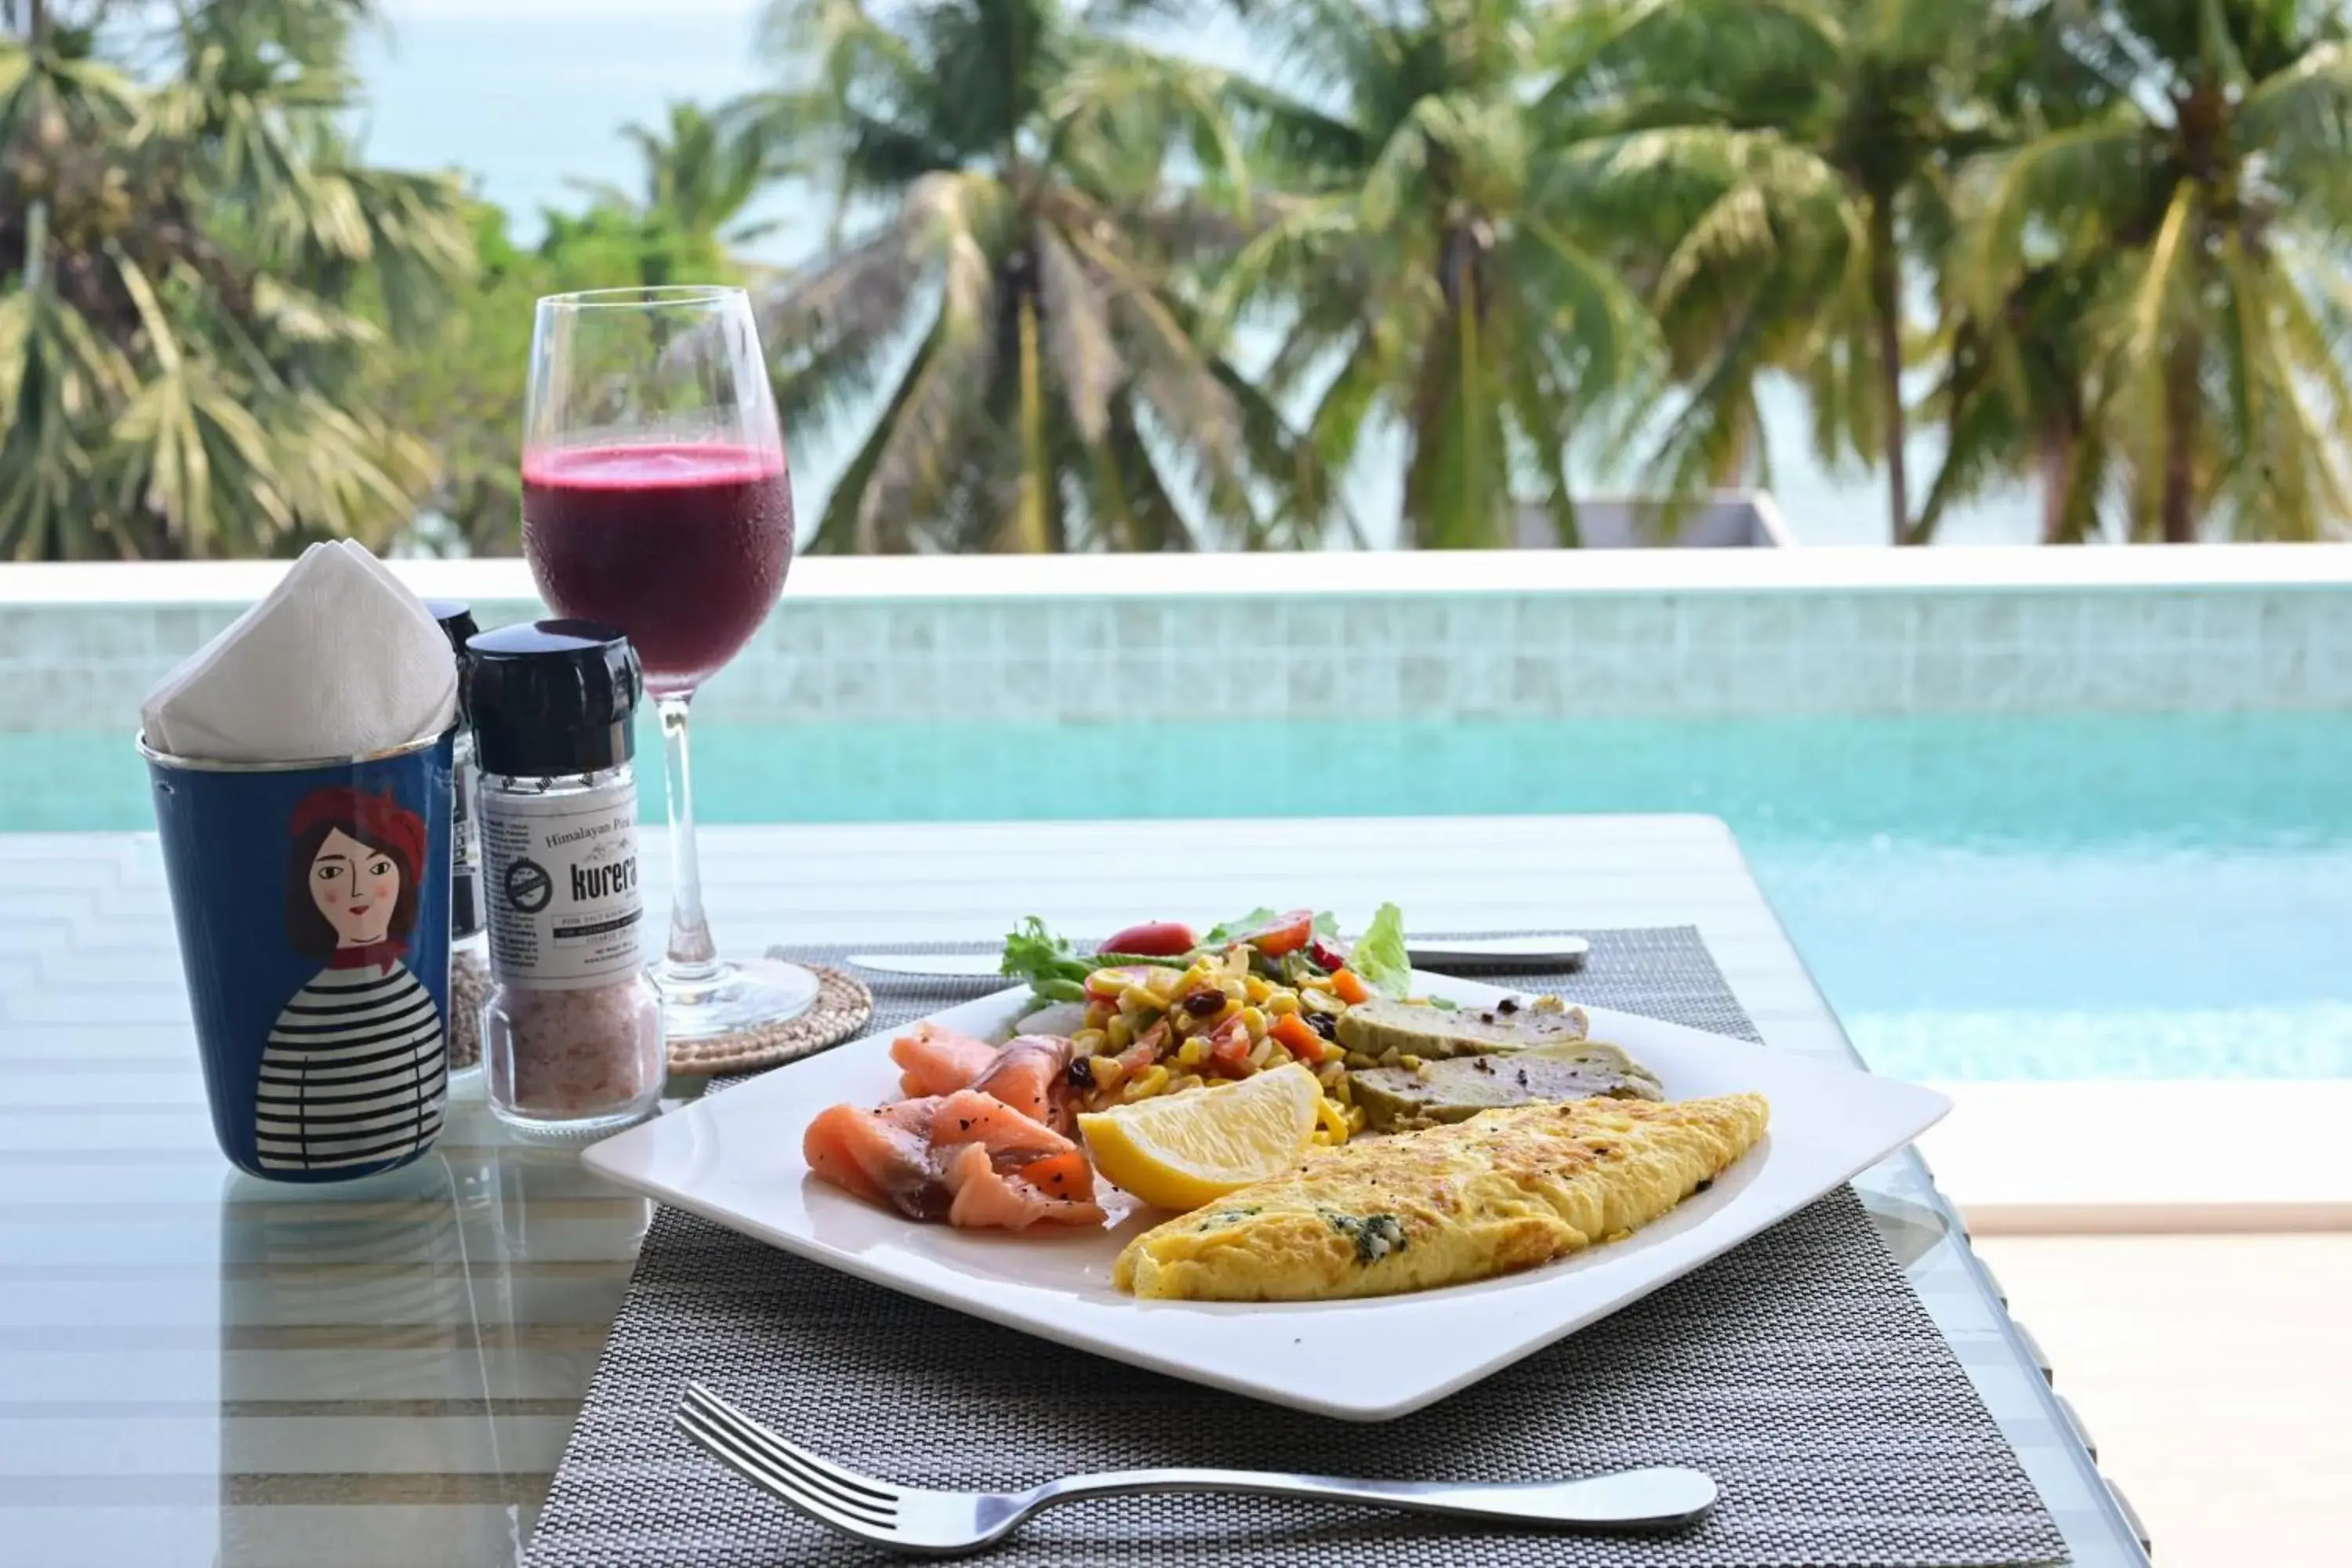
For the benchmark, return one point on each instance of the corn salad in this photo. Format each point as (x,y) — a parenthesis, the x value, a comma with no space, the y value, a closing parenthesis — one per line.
(1155,1029)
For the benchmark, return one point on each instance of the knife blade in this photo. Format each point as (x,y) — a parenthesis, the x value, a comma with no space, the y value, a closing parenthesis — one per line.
(1456,955)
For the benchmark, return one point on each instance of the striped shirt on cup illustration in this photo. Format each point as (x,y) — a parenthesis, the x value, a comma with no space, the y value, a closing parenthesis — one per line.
(356,1070)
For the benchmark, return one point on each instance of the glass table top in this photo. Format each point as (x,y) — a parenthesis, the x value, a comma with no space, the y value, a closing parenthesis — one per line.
(198,1366)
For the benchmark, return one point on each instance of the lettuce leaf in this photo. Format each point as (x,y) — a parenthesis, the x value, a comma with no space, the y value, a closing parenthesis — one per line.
(1233,930)
(1378,957)
(1047,962)
(1239,926)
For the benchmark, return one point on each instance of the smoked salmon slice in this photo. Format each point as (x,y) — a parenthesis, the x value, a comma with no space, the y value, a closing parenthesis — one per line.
(1031,1074)
(1011,1139)
(883,1155)
(990,1148)
(986,1199)
(939,1061)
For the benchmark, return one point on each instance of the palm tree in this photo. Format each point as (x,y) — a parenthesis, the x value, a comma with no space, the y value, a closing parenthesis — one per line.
(2019,360)
(2207,196)
(1779,169)
(192,263)
(700,170)
(2015,396)
(1014,296)
(1419,268)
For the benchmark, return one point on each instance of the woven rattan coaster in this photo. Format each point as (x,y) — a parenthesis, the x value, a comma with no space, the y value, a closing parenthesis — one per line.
(842,1007)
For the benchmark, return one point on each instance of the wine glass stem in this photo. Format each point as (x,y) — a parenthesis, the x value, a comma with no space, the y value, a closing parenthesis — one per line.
(691,956)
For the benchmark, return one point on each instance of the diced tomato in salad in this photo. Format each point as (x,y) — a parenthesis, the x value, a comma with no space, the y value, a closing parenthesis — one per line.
(1329,955)
(1153,939)
(1146,1049)
(1287,934)
(1229,1048)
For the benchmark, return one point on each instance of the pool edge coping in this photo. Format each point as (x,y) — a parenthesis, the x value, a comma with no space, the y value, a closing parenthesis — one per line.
(1381,573)
(2102,1156)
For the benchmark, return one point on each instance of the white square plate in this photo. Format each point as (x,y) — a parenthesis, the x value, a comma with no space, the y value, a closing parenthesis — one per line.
(735,1158)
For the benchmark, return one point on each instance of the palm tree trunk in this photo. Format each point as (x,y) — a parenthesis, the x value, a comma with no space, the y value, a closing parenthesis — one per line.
(2057,483)
(1029,532)
(2180,398)
(37,216)
(1886,306)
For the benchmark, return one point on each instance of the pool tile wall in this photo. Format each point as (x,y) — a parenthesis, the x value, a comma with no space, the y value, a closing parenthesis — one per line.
(1539,655)
(1504,655)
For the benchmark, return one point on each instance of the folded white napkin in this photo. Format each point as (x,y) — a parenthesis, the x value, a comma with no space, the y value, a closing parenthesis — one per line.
(340,660)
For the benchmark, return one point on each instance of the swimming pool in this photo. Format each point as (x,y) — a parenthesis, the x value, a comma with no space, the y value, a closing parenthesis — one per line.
(1981,898)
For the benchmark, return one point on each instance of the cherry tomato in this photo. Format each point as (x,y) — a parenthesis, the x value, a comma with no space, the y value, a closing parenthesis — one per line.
(1288,934)
(1154,939)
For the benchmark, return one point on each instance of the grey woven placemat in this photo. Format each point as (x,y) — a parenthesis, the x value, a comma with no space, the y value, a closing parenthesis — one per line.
(1799,1370)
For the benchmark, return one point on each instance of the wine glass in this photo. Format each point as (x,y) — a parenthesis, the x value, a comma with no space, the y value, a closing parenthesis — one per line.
(654,499)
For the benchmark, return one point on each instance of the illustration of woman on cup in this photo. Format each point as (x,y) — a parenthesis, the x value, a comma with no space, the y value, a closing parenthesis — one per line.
(355,1072)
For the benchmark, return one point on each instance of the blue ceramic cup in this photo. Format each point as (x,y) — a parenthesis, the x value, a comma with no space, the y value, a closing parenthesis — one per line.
(313,905)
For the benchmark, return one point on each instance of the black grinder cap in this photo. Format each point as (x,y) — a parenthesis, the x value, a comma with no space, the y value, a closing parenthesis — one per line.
(457,619)
(550,698)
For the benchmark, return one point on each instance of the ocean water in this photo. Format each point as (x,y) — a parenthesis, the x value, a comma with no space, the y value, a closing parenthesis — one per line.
(2162,896)
(529,96)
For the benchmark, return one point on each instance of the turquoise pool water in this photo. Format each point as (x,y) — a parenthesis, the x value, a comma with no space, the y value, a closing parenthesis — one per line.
(2164,897)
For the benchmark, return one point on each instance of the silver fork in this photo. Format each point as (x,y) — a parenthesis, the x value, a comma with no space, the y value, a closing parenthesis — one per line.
(923,1523)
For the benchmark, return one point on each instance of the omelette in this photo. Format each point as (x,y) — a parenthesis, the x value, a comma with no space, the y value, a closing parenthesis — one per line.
(1505,1189)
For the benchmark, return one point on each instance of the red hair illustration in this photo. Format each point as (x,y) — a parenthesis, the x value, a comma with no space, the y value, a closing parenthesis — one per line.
(376,821)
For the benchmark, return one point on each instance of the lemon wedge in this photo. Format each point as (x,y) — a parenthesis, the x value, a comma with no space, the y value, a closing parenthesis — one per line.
(1181,1151)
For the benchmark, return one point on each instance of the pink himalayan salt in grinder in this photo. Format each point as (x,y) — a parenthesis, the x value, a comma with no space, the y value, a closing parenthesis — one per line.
(571,1031)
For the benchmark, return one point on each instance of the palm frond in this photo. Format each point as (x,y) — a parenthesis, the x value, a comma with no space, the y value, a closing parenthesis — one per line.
(1583,317)
(1172,376)
(56,376)
(1717,436)
(838,524)
(418,239)
(2300,121)
(1077,335)
(2162,290)
(1296,496)
(345,473)
(845,40)
(1400,165)
(1355,390)
(2286,477)
(1307,241)
(2072,188)
(1136,492)
(860,291)
(912,472)
(1542,414)
(832,332)
(1122,104)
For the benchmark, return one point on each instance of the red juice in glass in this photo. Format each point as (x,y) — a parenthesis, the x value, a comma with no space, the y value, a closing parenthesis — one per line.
(682,545)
